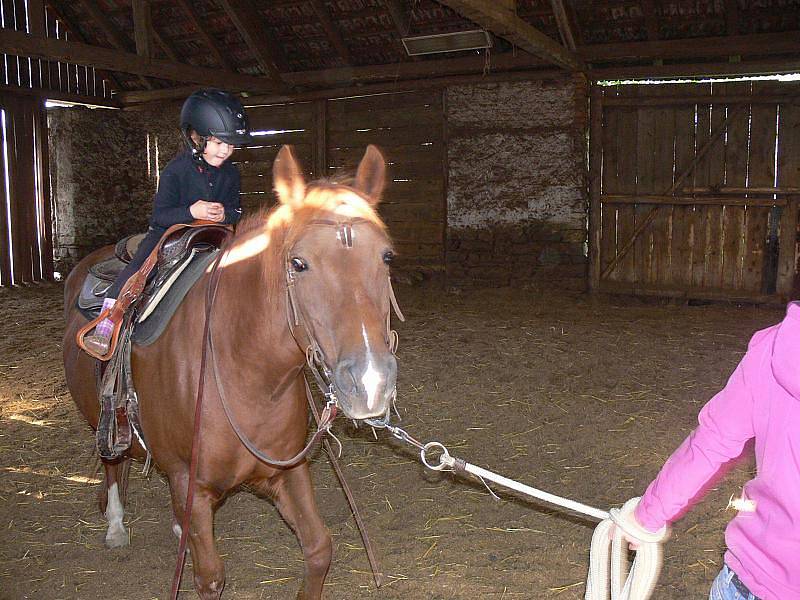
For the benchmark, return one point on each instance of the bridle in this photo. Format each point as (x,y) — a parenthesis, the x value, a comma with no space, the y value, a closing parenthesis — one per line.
(302,330)
(303,334)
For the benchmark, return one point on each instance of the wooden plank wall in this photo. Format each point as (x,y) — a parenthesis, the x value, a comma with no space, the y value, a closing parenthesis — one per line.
(700,244)
(330,137)
(255,164)
(27,73)
(25,240)
(408,128)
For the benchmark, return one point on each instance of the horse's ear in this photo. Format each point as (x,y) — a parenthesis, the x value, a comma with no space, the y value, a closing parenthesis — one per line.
(371,174)
(289,183)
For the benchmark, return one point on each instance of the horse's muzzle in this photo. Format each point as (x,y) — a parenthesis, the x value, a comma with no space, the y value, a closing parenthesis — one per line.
(365,385)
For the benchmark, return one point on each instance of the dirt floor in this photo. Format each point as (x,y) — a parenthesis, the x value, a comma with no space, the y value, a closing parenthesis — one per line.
(582,397)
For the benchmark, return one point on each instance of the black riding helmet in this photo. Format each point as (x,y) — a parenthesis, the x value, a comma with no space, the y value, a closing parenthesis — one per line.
(214,113)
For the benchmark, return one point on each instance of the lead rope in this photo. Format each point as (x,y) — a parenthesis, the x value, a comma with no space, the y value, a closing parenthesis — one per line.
(609,546)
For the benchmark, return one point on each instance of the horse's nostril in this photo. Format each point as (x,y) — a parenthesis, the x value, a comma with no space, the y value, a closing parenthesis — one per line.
(345,377)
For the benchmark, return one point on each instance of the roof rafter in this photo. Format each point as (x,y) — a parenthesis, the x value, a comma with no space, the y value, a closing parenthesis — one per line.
(331,30)
(168,48)
(400,14)
(212,44)
(565,27)
(252,29)
(114,35)
(497,17)
(21,44)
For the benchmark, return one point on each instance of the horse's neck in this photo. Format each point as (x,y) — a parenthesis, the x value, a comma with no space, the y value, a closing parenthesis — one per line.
(251,318)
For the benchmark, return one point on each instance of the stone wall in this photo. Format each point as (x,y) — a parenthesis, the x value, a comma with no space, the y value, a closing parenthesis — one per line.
(104,167)
(516,191)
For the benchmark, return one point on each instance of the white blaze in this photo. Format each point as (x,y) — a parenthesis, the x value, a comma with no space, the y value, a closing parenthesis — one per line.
(372,378)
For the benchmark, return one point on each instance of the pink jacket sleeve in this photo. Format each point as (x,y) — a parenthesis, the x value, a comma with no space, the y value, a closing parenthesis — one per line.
(725,425)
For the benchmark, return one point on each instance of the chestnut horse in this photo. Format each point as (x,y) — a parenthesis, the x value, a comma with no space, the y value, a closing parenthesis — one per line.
(325,239)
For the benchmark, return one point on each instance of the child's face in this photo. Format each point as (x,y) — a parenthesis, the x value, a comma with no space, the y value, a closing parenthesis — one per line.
(217,151)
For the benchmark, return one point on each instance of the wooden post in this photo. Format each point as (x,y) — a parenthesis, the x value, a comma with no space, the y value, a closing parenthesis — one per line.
(595,166)
(787,259)
(143,28)
(320,137)
(43,166)
(5,250)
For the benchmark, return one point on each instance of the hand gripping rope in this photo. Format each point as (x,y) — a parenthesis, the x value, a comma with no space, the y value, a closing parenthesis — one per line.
(609,546)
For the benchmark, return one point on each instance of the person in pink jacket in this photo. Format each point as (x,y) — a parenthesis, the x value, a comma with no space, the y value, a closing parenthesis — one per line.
(761,401)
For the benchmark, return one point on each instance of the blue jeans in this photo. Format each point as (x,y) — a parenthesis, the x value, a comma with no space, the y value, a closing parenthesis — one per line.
(725,587)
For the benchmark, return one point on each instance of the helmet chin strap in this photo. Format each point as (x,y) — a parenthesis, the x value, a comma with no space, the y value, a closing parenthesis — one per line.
(197,151)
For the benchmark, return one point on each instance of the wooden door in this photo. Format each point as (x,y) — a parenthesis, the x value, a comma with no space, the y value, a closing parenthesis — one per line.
(695,189)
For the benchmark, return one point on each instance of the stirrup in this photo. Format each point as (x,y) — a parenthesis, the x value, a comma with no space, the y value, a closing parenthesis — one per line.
(97,343)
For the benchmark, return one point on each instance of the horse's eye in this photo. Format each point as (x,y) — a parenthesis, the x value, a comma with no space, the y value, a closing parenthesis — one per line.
(298,265)
(388,257)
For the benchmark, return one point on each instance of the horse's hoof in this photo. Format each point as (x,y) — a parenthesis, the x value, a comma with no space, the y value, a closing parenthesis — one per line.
(117,538)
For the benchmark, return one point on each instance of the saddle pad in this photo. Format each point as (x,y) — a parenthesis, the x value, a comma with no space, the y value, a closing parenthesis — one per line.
(158,310)
(157,313)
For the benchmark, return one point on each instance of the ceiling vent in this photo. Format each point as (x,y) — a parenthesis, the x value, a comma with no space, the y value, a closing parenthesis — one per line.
(447,42)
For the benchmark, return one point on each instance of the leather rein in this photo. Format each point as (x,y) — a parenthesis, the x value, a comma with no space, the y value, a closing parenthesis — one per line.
(318,367)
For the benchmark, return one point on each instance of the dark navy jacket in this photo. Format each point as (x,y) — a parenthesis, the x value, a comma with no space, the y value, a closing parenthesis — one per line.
(184,181)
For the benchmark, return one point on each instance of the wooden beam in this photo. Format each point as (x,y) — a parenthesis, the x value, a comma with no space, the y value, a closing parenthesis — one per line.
(506,24)
(115,37)
(75,32)
(143,27)
(45,94)
(564,24)
(252,29)
(690,99)
(134,100)
(355,76)
(789,65)
(400,15)
(595,171)
(20,44)
(722,46)
(168,49)
(690,200)
(204,33)
(787,249)
(331,30)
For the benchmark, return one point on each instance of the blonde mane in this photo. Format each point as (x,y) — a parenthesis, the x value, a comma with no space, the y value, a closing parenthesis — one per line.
(283,224)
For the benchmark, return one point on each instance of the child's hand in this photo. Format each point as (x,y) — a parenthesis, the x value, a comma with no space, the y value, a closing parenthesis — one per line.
(209,211)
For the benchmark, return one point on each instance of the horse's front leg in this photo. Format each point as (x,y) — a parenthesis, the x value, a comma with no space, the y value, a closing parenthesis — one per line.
(111,499)
(209,570)
(294,498)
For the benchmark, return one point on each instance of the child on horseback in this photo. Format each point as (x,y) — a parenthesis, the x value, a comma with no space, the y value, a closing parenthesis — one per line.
(761,401)
(197,184)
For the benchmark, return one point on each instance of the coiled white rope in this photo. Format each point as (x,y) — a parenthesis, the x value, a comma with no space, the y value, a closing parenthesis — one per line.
(609,550)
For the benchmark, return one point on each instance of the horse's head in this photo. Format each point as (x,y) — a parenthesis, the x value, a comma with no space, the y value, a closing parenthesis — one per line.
(337,256)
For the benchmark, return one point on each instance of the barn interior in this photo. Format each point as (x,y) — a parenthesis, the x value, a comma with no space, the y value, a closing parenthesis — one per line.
(594,205)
